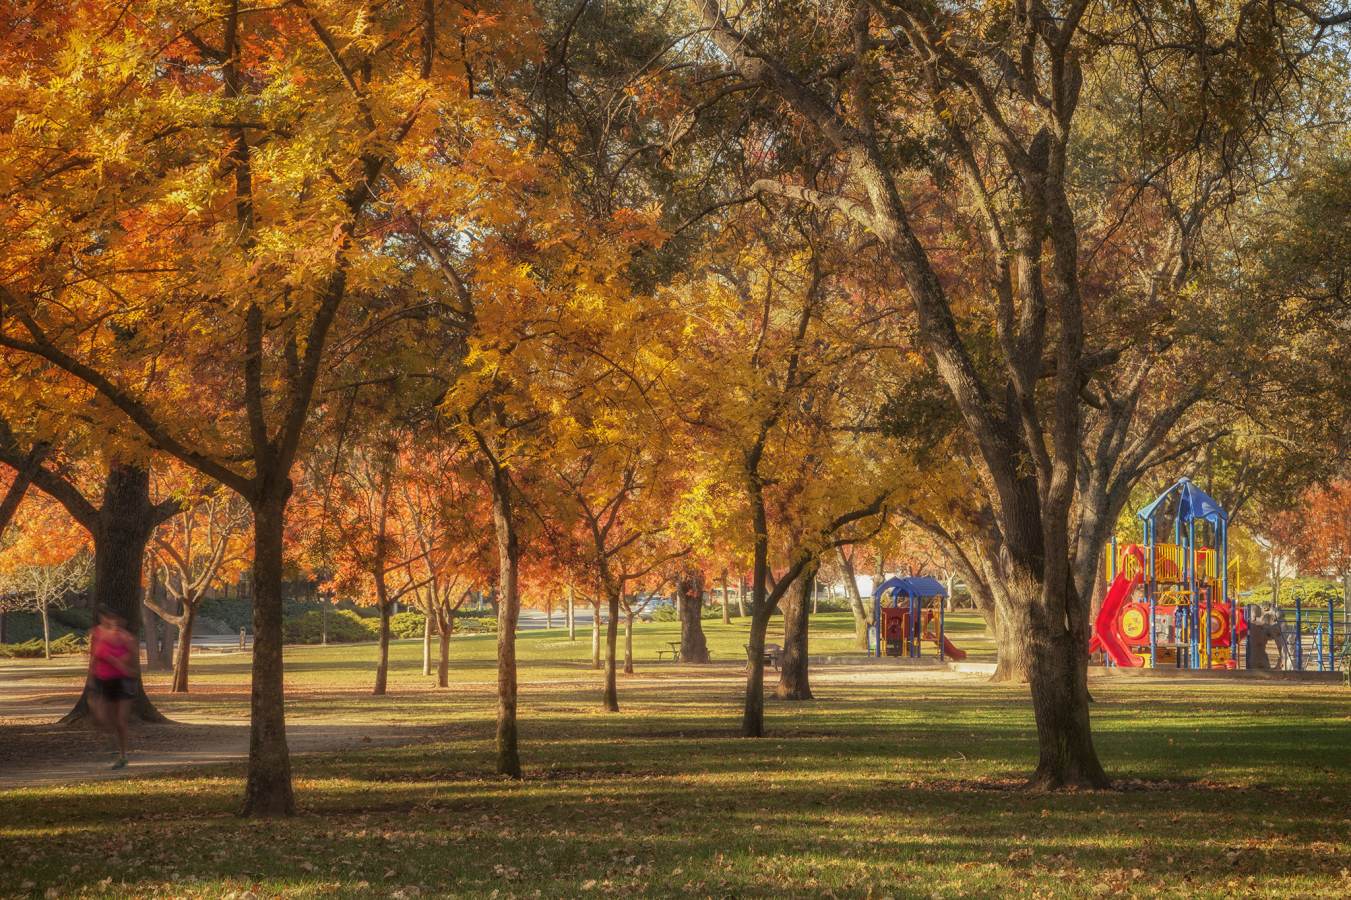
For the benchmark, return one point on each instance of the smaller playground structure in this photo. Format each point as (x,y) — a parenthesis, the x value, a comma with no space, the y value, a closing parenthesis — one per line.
(1177,603)
(914,616)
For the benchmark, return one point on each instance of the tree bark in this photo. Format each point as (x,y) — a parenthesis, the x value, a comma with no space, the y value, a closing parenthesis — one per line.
(46,631)
(1012,660)
(862,612)
(446,626)
(572,614)
(595,634)
(185,624)
(690,599)
(628,644)
(427,644)
(124,524)
(382,658)
(268,791)
(726,610)
(741,595)
(508,612)
(610,702)
(753,713)
(794,683)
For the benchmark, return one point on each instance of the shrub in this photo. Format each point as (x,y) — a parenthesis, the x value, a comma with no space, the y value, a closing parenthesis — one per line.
(70,643)
(408,624)
(344,626)
(664,614)
(476,625)
(75,618)
(30,649)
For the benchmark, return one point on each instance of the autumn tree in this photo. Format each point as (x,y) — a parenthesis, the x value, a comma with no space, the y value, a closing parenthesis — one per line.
(204,547)
(250,150)
(1001,95)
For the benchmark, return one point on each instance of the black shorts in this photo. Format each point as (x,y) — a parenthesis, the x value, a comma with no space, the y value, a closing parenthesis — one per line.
(115,689)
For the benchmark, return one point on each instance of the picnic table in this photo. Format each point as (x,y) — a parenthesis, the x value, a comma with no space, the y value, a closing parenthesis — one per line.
(674,651)
(770,656)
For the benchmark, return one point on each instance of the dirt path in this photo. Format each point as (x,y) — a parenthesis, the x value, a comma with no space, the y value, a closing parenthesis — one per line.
(35,750)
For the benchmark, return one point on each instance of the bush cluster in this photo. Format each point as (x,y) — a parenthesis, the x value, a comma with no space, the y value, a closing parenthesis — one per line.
(32,649)
(344,627)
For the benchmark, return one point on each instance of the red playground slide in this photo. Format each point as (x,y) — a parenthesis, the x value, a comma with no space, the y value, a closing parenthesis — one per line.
(1106,635)
(952,652)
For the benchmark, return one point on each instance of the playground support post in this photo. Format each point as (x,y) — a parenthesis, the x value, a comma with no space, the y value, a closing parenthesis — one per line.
(1332,638)
(941,604)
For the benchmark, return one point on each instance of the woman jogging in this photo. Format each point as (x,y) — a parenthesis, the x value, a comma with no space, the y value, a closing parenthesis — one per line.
(112,664)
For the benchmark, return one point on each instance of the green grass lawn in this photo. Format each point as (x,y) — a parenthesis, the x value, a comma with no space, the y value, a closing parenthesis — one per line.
(892,783)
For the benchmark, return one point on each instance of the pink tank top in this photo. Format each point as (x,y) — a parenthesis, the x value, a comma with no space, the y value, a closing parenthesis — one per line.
(104,651)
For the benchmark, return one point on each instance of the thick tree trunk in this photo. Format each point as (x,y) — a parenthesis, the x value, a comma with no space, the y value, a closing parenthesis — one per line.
(1059,686)
(595,634)
(184,654)
(753,713)
(862,612)
(610,702)
(508,612)
(268,791)
(628,644)
(443,665)
(382,653)
(690,599)
(794,683)
(1013,662)
(125,523)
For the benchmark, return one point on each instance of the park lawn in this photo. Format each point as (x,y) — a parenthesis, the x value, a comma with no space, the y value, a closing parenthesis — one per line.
(893,783)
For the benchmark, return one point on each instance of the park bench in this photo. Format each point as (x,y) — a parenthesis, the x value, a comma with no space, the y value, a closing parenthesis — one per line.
(770,656)
(673,652)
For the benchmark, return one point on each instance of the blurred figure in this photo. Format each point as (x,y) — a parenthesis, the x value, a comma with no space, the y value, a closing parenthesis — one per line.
(112,663)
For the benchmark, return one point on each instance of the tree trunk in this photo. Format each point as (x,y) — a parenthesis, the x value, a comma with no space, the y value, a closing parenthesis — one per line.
(611,700)
(46,631)
(382,657)
(125,523)
(572,614)
(268,791)
(794,683)
(184,654)
(628,644)
(1012,659)
(753,714)
(690,600)
(863,613)
(1057,677)
(508,612)
(427,643)
(726,610)
(446,626)
(741,595)
(595,634)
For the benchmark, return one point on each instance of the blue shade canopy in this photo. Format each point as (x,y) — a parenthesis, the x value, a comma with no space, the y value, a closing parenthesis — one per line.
(1193,503)
(914,586)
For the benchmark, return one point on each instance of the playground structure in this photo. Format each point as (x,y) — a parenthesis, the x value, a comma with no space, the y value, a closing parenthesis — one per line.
(902,629)
(1187,613)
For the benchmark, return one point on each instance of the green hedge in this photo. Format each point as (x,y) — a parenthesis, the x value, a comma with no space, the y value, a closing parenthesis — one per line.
(407,624)
(32,649)
(344,626)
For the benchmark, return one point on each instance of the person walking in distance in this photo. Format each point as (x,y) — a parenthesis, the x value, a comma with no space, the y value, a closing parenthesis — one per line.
(112,663)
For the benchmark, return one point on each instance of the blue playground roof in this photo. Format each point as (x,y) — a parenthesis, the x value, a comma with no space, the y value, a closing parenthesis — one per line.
(914,586)
(1193,503)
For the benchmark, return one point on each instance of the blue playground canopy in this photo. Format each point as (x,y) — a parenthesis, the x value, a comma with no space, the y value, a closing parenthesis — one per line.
(1193,503)
(914,586)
